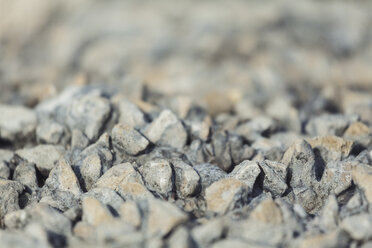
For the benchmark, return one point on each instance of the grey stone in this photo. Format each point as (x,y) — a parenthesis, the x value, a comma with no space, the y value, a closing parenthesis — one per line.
(45,157)
(187,179)
(162,217)
(329,217)
(89,114)
(128,139)
(329,124)
(17,123)
(51,132)
(25,173)
(12,240)
(106,196)
(275,177)
(225,195)
(247,172)
(61,189)
(359,227)
(300,160)
(78,139)
(180,238)
(9,191)
(167,130)
(221,150)
(158,176)
(209,174)
(91,170)
(209,232)
(4,170)
(130,114)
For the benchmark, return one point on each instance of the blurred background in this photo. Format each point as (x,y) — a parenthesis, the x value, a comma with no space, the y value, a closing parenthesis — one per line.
(215,52)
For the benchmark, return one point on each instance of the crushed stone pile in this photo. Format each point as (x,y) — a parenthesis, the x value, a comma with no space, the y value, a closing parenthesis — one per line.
(185,125)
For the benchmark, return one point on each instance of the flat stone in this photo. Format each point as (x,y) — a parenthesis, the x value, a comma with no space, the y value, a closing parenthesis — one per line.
(247,172)
(89,114)
(163,217)
(275,179)
(362,176)
(187,179)
(167,130)
(128,139)
(94,212)
(118,175)
(359,227)
(17,123)
(158,176)
(45,157)
(268,212)
(226,194)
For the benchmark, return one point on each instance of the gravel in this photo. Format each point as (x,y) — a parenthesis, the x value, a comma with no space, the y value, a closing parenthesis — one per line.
(185,125)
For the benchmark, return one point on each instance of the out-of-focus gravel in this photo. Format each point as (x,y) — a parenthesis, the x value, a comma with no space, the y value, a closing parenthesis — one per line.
(185,124)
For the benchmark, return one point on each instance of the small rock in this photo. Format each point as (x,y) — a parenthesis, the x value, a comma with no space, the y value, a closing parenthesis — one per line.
(130,114)
(357,129)
(51,132)
(4,170)
(247,172)
(167,130)
(94,212)
(209,232)
(226,194)
(163,217)
(158,176)
(329,124)
(275,179)
(78,140)
(268,212)
(119,175)
(25,173)
(9,191)
(337,177)
(221,151)
(332,239)
(45,157)
(187,179)
(362,176)
(17,123)
(89,114)
(61,189)
(300,160)
(332,148)
(106,196)
(359,227)
(329,215)
(128,139)
(134,190)
(130,213)
(91,170)
(180,238)
(209,174)
(11,239)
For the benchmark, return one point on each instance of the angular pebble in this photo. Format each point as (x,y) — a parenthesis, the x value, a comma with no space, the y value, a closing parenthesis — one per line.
(187,179)
(128,139)
(226,194)
(247,172)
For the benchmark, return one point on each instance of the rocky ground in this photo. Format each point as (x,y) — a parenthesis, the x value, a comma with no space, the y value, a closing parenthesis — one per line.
(160,124)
